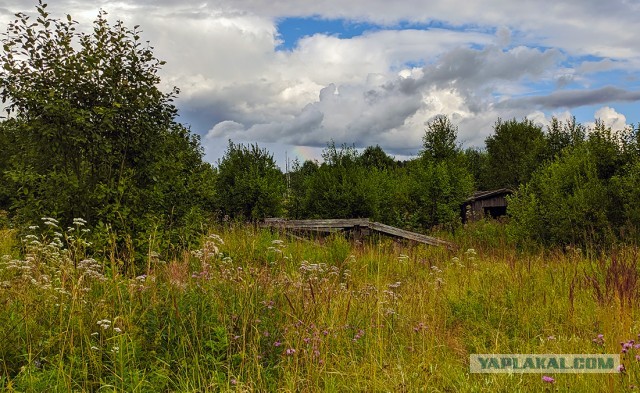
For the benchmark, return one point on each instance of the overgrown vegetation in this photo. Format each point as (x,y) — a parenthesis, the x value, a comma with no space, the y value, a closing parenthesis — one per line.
(90,135)
(161,285)
(253,311)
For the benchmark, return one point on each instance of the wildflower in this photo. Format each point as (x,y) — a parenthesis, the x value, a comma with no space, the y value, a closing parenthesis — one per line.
(421,326)
(117,330)
(290,351)
(599,340)
(234,381)
(277,344)
(358,335)
(394,285)
(548,379)
(552,337)
(79,222)
(621,368)
(104,324)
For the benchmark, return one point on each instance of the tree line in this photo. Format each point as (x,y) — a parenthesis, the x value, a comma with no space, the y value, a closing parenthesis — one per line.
(89,134)
(572,184)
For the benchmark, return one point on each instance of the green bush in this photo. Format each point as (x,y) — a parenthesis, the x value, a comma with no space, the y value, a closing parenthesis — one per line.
(90,135)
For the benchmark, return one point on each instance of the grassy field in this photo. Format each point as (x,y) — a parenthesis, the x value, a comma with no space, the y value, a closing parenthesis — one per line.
(257,311)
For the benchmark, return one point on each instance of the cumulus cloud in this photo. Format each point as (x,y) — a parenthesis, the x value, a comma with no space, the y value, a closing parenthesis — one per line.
(611,118)
(394,108)
(487,60)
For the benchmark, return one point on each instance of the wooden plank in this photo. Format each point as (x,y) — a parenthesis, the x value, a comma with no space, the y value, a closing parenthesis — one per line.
(316,224)
(418,237)
(330,225)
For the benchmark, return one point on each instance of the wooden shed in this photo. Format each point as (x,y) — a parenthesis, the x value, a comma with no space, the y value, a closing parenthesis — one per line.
(485,204)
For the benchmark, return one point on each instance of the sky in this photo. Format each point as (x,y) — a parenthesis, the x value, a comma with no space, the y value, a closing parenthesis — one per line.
(293,75)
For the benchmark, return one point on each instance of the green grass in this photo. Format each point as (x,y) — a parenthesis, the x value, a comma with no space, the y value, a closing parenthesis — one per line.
(257,314)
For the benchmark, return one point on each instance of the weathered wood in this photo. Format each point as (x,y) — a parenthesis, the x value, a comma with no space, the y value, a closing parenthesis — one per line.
(313,224)
(328,225)
(418,237)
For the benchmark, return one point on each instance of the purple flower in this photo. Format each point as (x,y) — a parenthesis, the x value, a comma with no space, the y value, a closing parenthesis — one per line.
(621,368)
(290,351)
(277,344)
(548,379)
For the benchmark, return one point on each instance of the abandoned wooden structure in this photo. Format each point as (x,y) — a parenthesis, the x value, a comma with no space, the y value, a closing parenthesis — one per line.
(485,204)
(361,226)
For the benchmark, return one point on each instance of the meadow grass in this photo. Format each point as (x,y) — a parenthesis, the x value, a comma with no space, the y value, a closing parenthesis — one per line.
(254,310)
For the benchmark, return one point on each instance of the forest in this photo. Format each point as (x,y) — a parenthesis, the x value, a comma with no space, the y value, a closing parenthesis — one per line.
(89,135)
(129,263)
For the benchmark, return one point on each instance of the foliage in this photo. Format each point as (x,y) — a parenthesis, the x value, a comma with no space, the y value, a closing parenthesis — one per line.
(584,196)
(249,311)
(440,179)
(565,203)
(515,150)
(297,185)
(440,140)
(90,135)
(477,163)
(249,184)
(564,135)
(375,157)
(340,187)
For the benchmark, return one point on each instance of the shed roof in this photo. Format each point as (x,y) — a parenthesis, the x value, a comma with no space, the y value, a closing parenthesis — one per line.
(479,195)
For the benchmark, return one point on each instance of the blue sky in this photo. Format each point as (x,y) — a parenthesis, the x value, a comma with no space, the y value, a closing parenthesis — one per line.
(292,75)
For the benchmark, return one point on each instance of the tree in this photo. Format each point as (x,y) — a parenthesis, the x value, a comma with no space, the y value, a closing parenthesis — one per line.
(585,195)
(515,151)
(562,135)
(375,157)
(249,184)
(476,161)
(90,134)
(299,178)
(439,140)
(441,180)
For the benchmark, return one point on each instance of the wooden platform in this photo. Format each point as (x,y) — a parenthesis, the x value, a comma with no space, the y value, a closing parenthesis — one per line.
(356,224)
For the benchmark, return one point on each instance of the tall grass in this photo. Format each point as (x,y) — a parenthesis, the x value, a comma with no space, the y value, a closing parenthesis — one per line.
(257,311)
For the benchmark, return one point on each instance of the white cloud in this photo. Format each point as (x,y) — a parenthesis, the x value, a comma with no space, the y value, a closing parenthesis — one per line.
(488,62)
(611,118)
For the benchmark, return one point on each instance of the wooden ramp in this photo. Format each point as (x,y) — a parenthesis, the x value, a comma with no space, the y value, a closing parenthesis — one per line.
(357,224)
